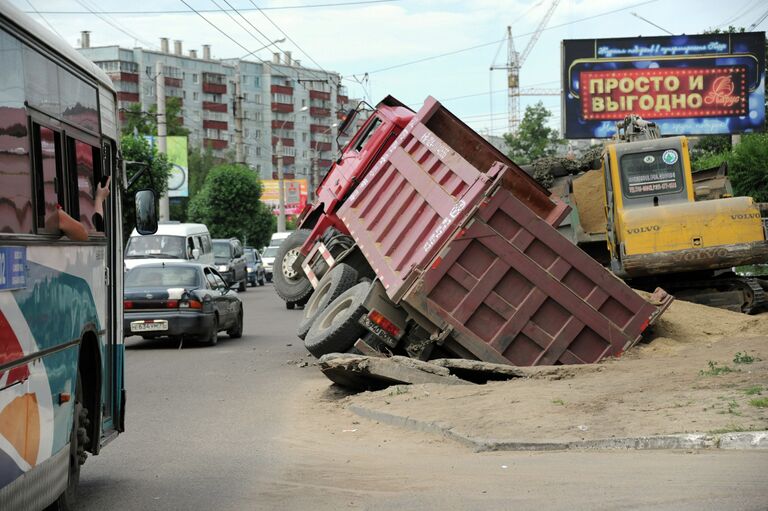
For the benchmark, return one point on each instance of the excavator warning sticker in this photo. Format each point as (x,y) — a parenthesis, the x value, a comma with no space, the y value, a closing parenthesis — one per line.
(669,157)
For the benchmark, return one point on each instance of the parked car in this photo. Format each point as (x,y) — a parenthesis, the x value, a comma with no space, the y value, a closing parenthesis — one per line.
(255,268)
(230,261)
(172,241)
(180,300)
(268,258)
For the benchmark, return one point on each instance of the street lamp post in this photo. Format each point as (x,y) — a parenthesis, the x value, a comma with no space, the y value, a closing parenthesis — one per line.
(280,174)
(316,164)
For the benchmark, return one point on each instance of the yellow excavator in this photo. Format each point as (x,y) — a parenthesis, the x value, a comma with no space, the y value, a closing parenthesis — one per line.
(641,204)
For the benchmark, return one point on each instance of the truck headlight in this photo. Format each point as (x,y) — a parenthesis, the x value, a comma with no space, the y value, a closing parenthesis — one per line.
(223,268)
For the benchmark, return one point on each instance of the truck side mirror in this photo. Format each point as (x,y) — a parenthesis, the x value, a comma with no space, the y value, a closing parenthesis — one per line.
(146,212)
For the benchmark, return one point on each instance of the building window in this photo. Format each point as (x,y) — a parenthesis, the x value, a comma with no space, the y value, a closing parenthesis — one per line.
(304,137)
(195,78)
(184,94)
(195,96)
(303,102)
(257,81)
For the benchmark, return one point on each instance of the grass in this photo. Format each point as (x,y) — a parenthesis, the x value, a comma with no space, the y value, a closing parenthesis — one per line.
(760,402)
(755,390)
(715,369)
(398,390)
(558,402)
(744,358)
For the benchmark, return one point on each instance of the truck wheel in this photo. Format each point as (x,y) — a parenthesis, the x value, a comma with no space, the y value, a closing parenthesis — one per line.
(243,286)
(336,328)
(77,456)
(339,279)
(291,286)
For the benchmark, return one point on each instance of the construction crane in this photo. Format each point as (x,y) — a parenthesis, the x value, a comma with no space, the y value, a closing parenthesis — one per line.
(515,61)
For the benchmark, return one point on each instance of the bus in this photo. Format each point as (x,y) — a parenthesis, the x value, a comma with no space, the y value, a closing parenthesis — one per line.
(61,341)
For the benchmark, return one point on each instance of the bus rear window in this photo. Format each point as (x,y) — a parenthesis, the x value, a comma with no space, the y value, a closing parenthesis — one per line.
(651,173)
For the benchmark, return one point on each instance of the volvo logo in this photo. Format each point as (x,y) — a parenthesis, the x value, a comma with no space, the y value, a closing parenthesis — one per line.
(745,216)
(148,296)
(640,230)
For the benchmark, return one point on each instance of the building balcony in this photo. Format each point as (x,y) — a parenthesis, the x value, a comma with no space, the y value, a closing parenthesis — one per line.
(282,125)
(343,99)
(281,89)
(284,108)
(128,96)
(319,128)
(173,82)
(287,160)
(214,125)
(214,107)
(315,111)
(215,143)
(287,142)
(324,164)
(214,88)
(124,77)
(320,146)
(318,94)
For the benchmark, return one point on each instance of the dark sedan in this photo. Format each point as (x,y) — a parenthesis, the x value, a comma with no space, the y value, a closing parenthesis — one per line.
(180,300)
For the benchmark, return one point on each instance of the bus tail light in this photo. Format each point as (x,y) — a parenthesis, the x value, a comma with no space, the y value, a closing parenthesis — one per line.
(384,323)
(171,304)
(127,304)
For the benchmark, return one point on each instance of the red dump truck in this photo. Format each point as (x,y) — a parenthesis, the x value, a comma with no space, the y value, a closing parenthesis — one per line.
(426,240)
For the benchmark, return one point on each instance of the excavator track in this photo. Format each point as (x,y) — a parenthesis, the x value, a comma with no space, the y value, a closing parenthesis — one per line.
(744,294)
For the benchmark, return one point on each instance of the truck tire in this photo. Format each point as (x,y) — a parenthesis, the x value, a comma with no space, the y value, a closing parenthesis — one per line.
(292,286)
(77,440)
(337,328)
(339,279)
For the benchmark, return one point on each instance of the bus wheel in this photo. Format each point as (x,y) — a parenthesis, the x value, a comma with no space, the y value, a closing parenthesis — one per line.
(78,438)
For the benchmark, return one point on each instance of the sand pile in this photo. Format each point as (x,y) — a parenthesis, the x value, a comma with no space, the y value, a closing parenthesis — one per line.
(589,195)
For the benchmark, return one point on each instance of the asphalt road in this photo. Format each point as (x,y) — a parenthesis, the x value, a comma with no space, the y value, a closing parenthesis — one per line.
(241,426)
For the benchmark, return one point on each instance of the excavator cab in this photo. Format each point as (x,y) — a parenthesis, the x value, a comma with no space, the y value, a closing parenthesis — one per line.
(655,227)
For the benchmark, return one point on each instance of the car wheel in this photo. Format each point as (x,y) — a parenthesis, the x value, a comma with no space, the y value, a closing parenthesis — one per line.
(213,335)
(337,328)
(236,331)
(290,305)
(339,279)
(262,280)
(291,285)
(242,286)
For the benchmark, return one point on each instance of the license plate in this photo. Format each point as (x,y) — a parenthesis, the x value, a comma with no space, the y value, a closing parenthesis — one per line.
(149,326)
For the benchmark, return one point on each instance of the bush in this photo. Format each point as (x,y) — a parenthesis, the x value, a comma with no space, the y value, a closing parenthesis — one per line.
(747,165)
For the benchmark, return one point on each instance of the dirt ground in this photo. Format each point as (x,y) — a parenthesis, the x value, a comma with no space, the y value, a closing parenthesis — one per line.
(684,380)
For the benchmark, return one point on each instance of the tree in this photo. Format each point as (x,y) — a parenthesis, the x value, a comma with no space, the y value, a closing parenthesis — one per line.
(145,123)
(139,155)
(533,139)
(229,204)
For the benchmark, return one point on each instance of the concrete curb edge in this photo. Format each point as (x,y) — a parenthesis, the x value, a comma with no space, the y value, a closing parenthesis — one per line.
(735,440)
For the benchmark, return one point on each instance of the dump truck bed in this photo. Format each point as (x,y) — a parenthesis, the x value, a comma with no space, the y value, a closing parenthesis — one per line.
(462,235)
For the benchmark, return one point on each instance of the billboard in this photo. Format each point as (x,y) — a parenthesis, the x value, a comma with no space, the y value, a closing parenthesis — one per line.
(295,195)
(178,181)
(688,85)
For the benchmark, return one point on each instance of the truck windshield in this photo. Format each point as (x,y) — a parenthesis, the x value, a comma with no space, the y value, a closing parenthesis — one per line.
(155,246)
(651,173)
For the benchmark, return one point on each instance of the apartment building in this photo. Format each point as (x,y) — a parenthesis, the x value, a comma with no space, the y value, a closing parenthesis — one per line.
(280,98)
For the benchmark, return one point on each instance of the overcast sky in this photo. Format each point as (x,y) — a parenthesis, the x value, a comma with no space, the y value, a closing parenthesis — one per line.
(383,38)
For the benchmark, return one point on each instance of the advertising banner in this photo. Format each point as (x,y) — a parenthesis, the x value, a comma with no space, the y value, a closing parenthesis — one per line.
(688,85)
(295,195)
(178,181)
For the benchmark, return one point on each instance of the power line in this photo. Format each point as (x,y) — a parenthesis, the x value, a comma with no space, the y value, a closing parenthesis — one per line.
(470,48)
(43,18)
(281,8)
(114,24)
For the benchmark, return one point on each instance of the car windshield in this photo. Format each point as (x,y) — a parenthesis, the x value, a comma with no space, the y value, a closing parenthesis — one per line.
(250,257)
(221,250)
(169,276)
(155,246)
(270,252)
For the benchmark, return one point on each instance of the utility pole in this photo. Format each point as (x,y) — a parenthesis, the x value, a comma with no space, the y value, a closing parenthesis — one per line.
(162,145)
(239,148)
(280,186)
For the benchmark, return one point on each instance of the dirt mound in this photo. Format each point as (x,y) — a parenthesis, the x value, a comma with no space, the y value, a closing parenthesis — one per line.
(589,193)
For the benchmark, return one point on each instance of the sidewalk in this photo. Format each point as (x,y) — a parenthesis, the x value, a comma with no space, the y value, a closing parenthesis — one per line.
(682,390)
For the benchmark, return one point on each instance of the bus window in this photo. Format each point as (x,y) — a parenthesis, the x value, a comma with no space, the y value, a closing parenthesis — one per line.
(87,172)
(48,176)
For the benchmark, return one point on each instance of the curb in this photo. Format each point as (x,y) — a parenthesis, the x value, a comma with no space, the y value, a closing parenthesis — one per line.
(731,441)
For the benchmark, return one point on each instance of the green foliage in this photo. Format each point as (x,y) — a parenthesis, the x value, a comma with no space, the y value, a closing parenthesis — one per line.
(744,358)
(138,155)
(145,123)
(709,145)
(754,390)
(715,370)
(760,402)
(229,205)
(747,165)
(533,139)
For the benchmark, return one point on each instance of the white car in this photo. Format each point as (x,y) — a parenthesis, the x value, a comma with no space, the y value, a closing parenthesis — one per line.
(268,259)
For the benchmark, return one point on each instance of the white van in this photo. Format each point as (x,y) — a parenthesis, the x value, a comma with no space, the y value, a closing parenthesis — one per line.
(171,242)
(278,238)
